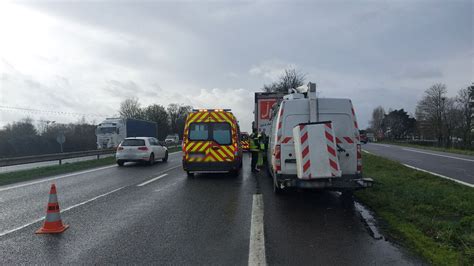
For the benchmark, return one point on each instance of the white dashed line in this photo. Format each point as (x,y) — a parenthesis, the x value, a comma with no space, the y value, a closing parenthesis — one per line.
(54,178)
(442,176)
(440,155)
(64,210)
(257,238)
(151,180)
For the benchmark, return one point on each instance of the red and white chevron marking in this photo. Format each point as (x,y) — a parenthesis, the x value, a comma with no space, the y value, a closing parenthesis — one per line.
(305,152)
(331,148)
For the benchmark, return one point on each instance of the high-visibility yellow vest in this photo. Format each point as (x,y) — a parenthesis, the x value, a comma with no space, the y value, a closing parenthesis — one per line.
(253,144)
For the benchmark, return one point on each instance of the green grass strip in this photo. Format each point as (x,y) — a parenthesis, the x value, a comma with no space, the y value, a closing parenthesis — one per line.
(43,171)
(433,216)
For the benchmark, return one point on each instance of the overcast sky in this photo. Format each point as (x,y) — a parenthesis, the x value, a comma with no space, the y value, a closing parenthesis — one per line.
(87,57)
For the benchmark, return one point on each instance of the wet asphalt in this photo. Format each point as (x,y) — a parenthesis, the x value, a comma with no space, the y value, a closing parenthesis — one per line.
(456,166)
(181,220)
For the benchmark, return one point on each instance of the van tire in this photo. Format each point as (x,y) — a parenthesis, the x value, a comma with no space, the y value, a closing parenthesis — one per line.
(235,172)
(276,187)
(189,174)
(120,163)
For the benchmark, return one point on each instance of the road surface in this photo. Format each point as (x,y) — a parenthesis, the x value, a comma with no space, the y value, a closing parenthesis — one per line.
(454,166)
(157,215)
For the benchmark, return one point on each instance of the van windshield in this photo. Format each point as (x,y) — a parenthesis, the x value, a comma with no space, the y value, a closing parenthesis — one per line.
(218,132)
(221,133)
(199,131)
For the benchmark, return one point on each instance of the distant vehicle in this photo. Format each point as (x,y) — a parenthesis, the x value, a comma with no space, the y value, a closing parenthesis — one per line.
(140,149)
(370,137)
(211,142)
(172,139)
(363,136)
(265,102)
(112,131)
(314,143)
(245,141)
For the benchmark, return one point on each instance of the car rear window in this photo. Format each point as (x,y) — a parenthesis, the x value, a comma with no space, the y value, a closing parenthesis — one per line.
(221,133)
(133,142)
(199,131)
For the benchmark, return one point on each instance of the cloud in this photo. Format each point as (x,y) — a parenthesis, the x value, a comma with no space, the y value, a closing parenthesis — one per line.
(270,70)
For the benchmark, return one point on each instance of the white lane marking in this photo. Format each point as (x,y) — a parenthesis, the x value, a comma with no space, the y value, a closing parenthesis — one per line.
(257,238)
(151,180)
(442,176)
(64,210)
(366,151)
(54,178)
(383,145)
(440,155)
(63,176)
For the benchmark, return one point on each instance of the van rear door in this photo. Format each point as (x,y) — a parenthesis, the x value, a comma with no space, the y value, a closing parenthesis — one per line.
(197,135)
(222,145)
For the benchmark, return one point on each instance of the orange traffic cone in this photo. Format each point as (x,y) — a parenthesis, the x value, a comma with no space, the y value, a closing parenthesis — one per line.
(52,223)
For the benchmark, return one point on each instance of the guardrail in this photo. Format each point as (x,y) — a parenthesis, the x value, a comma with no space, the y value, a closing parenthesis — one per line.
(53,157)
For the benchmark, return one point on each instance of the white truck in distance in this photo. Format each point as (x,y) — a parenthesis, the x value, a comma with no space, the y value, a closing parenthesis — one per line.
(172,139)
(112,131)
(314,143)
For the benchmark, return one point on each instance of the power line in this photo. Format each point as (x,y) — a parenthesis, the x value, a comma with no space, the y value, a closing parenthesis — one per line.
(36,111)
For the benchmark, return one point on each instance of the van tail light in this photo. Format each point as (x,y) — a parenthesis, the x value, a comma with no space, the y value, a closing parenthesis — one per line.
(119,148)
(144,148)
(236,150)
(277,158)
(359,159)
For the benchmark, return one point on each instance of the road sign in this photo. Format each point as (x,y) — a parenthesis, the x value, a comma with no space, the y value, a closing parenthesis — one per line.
(61,139)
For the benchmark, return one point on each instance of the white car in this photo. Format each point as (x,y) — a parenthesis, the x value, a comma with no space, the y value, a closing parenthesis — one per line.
(141,149)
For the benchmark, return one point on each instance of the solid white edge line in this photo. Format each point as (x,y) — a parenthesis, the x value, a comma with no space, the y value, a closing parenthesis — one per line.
(62,176)
(257,236)
(151,180)
(440,155)
(442,176)
(63,210)
(57,177)
(366,152)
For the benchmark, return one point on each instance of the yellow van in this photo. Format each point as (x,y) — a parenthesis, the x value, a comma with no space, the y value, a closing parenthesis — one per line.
(211,142)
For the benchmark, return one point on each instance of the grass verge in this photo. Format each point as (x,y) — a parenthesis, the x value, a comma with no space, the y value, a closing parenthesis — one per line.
(433,216)
(450,150)
(29,174)
(24,175)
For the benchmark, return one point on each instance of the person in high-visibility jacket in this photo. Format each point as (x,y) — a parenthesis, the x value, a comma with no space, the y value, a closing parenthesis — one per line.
(254,149)
(261,149)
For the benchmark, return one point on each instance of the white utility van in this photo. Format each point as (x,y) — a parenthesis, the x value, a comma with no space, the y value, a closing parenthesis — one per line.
(314,143)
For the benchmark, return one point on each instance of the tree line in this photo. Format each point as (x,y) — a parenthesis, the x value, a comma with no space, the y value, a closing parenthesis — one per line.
(170,120)
(439,119)
(28,137)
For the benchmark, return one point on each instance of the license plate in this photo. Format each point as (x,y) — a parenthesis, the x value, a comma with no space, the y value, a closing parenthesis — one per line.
(197,155)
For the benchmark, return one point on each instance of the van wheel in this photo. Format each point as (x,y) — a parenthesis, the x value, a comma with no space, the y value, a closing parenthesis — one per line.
(165,159)
(276,187)
(347,198)
(190,175)
(151,161)
(120,163)
(235,172)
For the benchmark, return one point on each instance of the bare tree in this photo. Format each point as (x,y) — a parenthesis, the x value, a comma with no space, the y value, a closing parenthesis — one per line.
(431,109)
(130,108)
(290,79)
(463,104)
(378,115)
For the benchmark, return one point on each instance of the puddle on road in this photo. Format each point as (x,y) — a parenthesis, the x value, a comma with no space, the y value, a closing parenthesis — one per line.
(369,220)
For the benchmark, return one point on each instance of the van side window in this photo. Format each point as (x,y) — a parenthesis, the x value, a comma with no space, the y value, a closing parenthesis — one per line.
(222,134)
(198,131)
